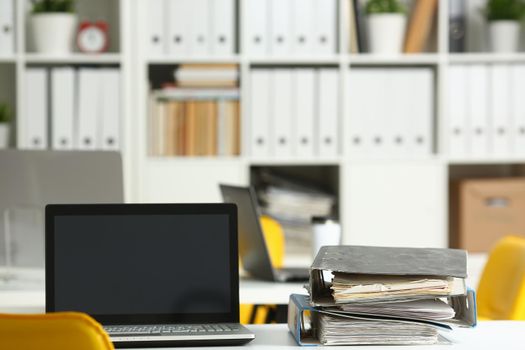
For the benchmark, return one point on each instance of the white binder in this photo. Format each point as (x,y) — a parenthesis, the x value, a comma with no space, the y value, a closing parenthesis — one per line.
(199,27)
(420,107)
(281,112)
(260,112)
(478,109)
(36,107)
(62,107)
(222,37)
(178,26)
(325,26)
(302,26)
(304,102)
(518,108)
(359,111)
(390,122)
(88,108)
(500,135)
(457,111)
(109,137)
(280,27)
(7,27)
(328,112)
(256,32)
(157,34)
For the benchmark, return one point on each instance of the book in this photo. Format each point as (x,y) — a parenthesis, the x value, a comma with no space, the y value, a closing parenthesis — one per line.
(420,25)
(207,75)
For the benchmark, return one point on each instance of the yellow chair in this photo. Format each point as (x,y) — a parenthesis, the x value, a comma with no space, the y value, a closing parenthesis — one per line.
(501,290)
(54,331)
(274,238)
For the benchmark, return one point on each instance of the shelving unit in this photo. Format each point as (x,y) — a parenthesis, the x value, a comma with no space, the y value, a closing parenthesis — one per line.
(382,200)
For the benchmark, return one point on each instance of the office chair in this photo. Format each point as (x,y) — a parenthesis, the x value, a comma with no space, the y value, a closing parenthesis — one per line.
(274,237)
(54,331)
(501,290)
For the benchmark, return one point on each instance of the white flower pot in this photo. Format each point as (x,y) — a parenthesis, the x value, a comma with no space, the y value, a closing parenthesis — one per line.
(386,33)
(53,33)
(504,36)
(4,135)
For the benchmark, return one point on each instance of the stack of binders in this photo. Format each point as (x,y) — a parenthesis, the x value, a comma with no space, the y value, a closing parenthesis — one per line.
(383,296)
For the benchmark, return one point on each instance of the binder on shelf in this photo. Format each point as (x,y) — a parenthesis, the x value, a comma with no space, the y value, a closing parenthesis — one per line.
(281,112)
(391,122)
(280,27)
(36,107)
(199,27)
(156,38)
(478,108)
(325,27)
(88,108)
(360,111)
(178,26)
(256,33)
(328,112)
(7,27)
(518,108)
(222,15)
(304,111)
(457,111)
(260,103)
(302,26)
(110,109)
(420,103)
(63,83)
(500,109)
(420,25)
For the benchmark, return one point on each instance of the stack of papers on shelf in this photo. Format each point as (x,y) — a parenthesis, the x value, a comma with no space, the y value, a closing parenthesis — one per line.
(378,295)
(207,75)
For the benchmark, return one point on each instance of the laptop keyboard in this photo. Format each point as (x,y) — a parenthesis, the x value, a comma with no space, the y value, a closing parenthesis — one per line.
(171,329)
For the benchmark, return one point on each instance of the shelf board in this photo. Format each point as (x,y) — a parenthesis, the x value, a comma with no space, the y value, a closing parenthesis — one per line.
(192,159)
(401,59)
(192,59)
(486,160)
(485,57)
(112,58)
(285,60)
(294,161)
(7,59)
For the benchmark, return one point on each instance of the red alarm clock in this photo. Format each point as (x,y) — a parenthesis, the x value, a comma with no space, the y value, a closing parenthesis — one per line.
(93,37)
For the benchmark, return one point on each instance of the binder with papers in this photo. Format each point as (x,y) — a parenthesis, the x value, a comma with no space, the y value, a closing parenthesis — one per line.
(362,295)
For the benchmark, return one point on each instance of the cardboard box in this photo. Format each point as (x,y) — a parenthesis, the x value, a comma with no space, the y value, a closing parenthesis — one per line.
(485,210)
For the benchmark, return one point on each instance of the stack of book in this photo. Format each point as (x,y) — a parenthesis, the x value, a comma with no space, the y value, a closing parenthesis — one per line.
(383,296)
(199,115)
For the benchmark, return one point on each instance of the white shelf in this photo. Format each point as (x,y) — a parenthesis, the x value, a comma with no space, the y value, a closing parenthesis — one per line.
(401,59)
(193,59)
(294,161)
(8,59)
(485,160)
(75,58)
(482,57)
(286,60)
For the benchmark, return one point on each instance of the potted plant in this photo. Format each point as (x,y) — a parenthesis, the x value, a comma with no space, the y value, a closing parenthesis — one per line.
(386,26)
(504,24)
(5,117)
(54,24)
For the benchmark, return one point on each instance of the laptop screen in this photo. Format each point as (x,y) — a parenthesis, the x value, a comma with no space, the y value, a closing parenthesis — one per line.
(134,264)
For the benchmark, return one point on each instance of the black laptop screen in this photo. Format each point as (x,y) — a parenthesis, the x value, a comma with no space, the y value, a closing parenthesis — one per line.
(119,265)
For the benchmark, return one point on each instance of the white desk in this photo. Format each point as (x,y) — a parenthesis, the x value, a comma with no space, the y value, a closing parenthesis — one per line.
(487,335)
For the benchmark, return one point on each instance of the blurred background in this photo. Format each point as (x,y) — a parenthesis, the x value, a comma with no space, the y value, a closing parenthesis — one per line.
(403,121)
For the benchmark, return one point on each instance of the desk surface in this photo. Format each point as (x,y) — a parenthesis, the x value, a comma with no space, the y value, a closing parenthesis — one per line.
(487,335)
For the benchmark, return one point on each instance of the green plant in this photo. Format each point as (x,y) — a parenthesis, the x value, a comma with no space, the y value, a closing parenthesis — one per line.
(43,6)
(384,6)
(497,10)
(5,113)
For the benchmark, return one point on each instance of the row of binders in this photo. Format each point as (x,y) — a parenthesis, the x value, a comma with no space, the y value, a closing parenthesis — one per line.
(486,112)
(294,112)
(191,27)
(289,27)
(68,108)
(7,27)
(391,111)
(363,295)
(193,122)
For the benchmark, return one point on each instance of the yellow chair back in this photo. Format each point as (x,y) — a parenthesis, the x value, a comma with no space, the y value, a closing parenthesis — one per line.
(274,237)
(501,291)
(54,331)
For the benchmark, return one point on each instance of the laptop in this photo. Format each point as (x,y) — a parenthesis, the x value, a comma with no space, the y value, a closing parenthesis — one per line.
(252,246)
(151,274)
